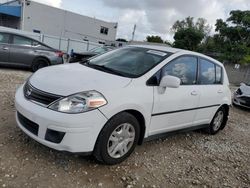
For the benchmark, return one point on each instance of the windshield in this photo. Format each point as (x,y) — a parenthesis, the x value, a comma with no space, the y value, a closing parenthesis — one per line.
(129,61)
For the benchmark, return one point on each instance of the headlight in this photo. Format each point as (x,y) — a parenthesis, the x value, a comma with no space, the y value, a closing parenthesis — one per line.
(80,102)
(239,92)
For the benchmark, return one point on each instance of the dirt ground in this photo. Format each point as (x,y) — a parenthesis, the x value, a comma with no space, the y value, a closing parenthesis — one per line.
(186,160)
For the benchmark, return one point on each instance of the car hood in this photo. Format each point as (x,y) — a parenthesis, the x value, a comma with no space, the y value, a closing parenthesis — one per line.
(245,89)
(73,78)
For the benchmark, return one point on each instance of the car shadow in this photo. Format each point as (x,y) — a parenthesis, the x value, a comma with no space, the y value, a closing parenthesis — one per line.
(241,108)
(5,67)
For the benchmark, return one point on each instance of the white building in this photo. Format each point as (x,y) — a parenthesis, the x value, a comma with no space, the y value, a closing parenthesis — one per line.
(39,18)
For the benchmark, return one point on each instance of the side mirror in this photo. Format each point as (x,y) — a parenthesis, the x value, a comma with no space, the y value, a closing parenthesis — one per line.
(170,81)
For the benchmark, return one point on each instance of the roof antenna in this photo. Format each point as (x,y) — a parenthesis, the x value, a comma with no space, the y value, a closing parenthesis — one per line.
(133,34)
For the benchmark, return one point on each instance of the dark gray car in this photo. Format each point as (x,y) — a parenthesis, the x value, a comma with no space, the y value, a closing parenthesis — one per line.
(21,51)
(77,57)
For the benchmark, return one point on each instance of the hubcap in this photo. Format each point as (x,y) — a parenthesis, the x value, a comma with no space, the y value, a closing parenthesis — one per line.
(218,121)
(121,140)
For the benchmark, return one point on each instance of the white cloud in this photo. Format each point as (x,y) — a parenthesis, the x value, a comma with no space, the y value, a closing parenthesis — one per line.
(152,17)
(54,3)
(159,15)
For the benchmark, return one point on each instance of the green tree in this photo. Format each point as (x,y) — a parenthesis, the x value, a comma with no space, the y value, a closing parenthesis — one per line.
(234,37)
(156,39)
(189,34)
(200,25)
(188,39)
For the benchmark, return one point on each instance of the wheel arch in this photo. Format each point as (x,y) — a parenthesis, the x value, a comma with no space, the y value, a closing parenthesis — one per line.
(140,118)
(41,57)
(226,107)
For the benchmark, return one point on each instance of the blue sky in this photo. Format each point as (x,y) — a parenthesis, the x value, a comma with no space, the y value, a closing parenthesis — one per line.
(152,17)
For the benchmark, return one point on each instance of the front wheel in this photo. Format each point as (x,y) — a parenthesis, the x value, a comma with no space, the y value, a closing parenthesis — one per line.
(118,139)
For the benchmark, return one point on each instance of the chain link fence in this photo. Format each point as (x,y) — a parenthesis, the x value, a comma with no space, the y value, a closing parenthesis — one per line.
(60,43)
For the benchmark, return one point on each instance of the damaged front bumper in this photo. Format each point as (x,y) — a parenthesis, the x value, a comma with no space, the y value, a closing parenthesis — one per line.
(241,100)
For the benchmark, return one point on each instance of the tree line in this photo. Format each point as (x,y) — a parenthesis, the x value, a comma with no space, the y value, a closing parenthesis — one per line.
(230,43)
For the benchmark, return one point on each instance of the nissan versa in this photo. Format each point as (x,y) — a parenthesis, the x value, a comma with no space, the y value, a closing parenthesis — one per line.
(107,105)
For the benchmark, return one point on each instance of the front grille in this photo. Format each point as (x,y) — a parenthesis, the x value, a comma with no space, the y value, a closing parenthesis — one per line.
(36,95)
(28,124)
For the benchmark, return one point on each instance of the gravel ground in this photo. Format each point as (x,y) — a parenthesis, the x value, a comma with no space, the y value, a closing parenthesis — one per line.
(186,160)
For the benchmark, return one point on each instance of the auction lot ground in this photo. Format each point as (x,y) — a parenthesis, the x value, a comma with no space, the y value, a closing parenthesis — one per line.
(186,160)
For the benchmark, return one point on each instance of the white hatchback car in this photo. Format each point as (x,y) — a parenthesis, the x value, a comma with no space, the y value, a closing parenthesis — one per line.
(109,104)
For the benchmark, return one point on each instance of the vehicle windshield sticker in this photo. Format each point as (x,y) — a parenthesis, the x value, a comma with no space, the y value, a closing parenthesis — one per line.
(157,53)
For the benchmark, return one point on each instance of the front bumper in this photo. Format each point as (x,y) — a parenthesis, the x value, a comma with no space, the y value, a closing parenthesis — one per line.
(81,130)
(56,61)
(240,102)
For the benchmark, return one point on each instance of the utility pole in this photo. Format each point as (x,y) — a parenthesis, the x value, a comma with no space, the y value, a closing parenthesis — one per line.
(23,4)
(133,33)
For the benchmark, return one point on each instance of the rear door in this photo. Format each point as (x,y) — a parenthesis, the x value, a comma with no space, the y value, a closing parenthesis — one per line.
(21,51)
(4,48)
(175,107)
(212,90)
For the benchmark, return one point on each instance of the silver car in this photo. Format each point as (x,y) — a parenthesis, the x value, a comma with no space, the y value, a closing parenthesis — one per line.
(21,51)
(241,96)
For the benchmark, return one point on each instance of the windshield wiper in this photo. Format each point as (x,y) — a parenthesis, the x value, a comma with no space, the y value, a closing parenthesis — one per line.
(86,61)
(104,68)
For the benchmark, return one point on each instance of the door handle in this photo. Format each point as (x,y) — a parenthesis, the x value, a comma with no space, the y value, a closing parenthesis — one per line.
(5,48)
(220,91)
(194,93)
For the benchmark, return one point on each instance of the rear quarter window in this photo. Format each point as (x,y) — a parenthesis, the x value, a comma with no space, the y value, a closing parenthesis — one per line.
(218,71)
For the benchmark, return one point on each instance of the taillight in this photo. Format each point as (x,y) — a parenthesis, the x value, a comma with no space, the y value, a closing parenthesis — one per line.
(59,54)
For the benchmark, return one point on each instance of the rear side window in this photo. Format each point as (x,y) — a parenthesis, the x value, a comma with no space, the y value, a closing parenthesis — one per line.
(18,40)
(4,38)
(207,72)
(184,68)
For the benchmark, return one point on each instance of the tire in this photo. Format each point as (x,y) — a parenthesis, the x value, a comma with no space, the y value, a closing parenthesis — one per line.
(118,139)
(218,122)
(39,63)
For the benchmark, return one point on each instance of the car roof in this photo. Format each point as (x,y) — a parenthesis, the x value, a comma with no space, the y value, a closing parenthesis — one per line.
(156,47)
(177,50)
(21,35)
(15,33)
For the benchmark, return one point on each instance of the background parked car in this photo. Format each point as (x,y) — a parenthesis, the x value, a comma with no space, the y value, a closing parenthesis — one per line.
(76,57)
(21,51)
(242,96)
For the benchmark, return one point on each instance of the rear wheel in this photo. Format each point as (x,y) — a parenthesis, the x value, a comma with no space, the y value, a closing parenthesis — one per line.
(219,121)
(39,63)
(118,139)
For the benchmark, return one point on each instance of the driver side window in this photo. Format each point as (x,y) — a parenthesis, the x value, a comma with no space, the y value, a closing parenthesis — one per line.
(184,67)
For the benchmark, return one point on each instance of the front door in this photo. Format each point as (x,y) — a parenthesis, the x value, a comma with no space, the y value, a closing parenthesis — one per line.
(21,51)
(175,108)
